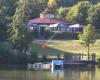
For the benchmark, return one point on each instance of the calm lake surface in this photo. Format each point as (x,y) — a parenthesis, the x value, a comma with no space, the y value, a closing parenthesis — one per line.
(65,74)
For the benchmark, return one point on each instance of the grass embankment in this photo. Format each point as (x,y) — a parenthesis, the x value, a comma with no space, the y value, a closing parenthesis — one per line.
(65,46)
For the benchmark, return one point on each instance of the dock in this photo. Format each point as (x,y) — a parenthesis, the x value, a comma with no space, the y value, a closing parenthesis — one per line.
(69,60)
(75,60)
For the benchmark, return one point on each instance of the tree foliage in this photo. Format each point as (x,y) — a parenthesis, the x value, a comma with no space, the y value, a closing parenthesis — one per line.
(52,3)
(88,36)
(19,33)
(7,9)
(79,12)
(11,6)
(66,3)
(62,13)
(94,16)
(37,6)
(3,22)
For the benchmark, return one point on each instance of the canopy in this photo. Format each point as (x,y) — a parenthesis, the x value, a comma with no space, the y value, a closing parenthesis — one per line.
(61,25)
(54,25)
(76,26)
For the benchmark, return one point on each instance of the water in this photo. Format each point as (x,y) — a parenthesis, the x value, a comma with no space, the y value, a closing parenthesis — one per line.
(66,74)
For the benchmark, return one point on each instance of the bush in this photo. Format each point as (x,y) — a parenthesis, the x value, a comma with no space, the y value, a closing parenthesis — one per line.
(33,57)
(44,58)
(46,34)
(6,57)
(66,35)
(60,35)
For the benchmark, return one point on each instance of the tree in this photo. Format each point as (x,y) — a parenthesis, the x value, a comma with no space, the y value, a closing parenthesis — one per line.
(62,13)
(94,16)
(19,32)
(37,6)
(79,12)
(88,36)
(11,6)
(66,3)
(7,9)
(52,3)
(92,1)
(3,22)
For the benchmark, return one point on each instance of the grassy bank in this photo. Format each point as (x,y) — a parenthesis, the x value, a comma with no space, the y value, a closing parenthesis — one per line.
(54,47)
(64,46)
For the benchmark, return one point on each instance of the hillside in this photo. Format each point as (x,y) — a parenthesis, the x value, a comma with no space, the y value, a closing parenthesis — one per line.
(64,46)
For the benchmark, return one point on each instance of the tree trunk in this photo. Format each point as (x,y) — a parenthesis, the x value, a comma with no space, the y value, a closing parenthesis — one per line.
(88,51)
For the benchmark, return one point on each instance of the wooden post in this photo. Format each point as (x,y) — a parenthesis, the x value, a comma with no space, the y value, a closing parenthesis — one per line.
(82,55)
(93,56)
(39,30)
(79,57)
(93,59)
(88,51)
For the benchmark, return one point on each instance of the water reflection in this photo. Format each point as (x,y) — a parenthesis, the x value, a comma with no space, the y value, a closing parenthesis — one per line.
(74,73)
(55,74)
(79,74)
(57,71)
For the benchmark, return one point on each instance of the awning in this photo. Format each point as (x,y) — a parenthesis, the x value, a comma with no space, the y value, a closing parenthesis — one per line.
(76,26)
(53,25)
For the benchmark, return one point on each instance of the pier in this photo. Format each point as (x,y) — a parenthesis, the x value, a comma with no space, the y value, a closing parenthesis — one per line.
(79,60)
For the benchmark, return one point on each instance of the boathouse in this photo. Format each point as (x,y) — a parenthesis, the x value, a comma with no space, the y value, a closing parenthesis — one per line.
(57,64)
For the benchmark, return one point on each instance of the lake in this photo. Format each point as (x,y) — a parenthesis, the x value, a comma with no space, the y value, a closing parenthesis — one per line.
(64,74)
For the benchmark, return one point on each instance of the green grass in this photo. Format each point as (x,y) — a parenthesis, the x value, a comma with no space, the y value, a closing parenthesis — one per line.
(65,46)
(48,50)
(61,46)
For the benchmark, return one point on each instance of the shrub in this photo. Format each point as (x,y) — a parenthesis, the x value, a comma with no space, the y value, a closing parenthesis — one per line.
(61,35)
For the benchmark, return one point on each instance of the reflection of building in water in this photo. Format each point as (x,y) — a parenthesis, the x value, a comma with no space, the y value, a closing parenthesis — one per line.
(79,74)
(70,74)
(88,74)
(57,64)
(58,73)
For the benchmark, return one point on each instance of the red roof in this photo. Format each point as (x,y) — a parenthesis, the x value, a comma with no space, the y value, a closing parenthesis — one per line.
(46,20)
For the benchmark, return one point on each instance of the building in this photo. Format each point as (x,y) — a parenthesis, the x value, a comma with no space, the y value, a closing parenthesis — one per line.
(76,28)
(47,13)
(47,18)
(59,27)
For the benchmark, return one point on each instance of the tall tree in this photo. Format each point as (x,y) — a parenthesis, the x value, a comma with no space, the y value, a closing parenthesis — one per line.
(19,37)
(88,37)
(62,13)
(7,9)
(37,6)
(11,6)
(94,16)
(3,22)
(79,12)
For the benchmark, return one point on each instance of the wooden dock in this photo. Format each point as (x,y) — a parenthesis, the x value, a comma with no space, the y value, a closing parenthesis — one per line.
(79,60)
(75,60)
